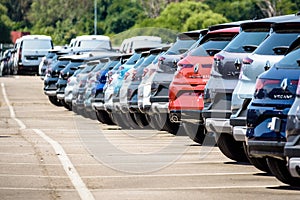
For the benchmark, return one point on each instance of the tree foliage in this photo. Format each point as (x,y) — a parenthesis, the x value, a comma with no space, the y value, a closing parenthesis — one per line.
(65,19)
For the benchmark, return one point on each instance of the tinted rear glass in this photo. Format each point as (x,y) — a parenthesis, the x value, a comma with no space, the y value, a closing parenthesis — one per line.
(275,40)
(245,38)
(132,60)
(180,45)
(37,44)
(201,50)
(290,60)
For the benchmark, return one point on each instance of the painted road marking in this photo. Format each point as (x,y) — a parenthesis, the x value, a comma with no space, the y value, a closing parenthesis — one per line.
(69,168)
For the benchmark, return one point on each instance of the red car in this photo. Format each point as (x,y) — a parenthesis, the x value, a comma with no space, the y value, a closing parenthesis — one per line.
(187,88)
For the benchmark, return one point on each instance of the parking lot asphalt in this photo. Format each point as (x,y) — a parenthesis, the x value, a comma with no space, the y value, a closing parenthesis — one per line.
(47,152)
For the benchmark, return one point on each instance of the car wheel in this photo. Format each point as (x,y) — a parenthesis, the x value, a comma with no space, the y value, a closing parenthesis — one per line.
(258,163)
(195,131)
(140,119)
(118,118)
(152,120)
(280,170)
(131,121)
(104,117)
(163,121)
(231,148)
(54,100)
(67,106)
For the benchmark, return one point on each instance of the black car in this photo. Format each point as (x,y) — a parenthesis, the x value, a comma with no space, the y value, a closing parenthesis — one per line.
(267,113)
(52,76)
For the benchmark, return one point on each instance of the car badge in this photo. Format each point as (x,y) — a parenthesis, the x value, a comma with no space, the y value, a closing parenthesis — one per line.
(196,68)
(284,84)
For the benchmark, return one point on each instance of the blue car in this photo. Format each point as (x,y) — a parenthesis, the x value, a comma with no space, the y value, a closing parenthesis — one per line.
(267,113)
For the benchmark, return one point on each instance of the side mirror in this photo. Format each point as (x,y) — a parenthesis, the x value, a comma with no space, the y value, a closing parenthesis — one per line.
(267,66)
(238,64)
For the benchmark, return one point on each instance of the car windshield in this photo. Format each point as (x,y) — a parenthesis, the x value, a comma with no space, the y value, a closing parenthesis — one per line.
(245,38)
(37,44)
(180,46)
(291,60)
(94,44)
(275,40)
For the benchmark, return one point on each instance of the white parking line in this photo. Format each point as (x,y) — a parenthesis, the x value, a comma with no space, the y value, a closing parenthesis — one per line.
(69,168)
(11,109)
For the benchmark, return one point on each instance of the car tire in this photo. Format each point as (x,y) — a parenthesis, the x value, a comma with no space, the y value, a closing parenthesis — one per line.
(118,119)
(152,120)
(140,119)
(259,163)
(54,100)
(67,106)
(104,117)
(196,132)
(231,148)
(280,170)
(132,122)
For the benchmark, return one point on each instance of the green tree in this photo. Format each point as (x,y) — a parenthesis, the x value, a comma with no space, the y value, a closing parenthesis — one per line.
(5,25)
(203,20)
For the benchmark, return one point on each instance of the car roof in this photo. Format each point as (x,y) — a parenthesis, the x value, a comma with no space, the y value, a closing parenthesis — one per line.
(287,25)
(195,34)
(267,22)
(143,37)
(227,25)
(30,37)
(92,37)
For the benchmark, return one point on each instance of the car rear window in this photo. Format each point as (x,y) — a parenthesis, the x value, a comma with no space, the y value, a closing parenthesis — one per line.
(275,40)
(212,44)
(180,46)
(245,38)
(37,44)
(290,60)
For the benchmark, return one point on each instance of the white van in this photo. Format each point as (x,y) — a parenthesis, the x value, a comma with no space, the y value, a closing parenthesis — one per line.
(90,42)
(29,51)
(128,45)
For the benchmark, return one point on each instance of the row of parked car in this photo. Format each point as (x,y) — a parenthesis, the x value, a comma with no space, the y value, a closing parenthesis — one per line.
(236,81)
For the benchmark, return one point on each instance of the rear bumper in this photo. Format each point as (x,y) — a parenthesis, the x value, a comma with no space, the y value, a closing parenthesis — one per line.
(261,149)
(218,125)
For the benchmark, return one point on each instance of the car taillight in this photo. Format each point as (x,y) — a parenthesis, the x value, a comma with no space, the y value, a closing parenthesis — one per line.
(126,75)
(161,59)
(110,80)
(247,61)
(261,83)
(145,71)
(298,88)
(133,75)
(218,58)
